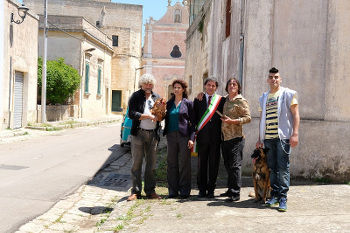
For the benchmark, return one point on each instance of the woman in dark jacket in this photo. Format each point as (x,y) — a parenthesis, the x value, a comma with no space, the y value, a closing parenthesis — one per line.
(180,131)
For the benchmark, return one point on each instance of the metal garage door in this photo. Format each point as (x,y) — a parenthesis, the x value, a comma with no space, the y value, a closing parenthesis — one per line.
(18,101)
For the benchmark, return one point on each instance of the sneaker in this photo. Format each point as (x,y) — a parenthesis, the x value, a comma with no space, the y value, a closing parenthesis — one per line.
(273,201)
(283,205)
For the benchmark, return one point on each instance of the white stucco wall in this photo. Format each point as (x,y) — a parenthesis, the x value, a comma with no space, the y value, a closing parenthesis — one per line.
(20,54)
(308,41)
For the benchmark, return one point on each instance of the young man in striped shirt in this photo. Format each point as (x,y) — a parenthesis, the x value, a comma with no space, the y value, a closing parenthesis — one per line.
(279,128)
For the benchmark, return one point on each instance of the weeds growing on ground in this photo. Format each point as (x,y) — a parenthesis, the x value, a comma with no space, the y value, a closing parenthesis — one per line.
(98,224)
(52,129)
(324,180)
(45,125)
(161,171)
(118,228)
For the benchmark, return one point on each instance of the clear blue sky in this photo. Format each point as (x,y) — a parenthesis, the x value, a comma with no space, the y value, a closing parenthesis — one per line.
(153,8)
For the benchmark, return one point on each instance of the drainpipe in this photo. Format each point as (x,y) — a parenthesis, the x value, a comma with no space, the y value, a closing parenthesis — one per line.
(82,57)
(241,54)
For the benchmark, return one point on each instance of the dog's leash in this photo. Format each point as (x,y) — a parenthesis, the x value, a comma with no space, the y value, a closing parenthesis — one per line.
(286,143)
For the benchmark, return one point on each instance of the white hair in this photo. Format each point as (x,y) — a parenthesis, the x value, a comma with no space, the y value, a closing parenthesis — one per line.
(147,78)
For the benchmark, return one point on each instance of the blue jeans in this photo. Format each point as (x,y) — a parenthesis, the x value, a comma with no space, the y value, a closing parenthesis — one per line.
(278,162)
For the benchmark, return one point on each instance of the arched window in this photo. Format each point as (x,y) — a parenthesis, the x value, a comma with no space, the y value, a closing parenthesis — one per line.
(177,16)
(176,52)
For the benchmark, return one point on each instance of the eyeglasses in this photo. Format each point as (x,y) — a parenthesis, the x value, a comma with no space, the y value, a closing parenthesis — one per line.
(150,104)
(274,77)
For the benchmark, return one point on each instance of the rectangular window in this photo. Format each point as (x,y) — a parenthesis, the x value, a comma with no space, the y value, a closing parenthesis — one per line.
(115,40)
(116,101)
(87,76)
(228,18)
(99,81)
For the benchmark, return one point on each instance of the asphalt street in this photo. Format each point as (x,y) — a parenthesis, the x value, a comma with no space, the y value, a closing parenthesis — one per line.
(38,172)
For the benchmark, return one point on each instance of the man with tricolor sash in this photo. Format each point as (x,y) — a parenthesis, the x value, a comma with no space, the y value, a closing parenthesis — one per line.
(208,137)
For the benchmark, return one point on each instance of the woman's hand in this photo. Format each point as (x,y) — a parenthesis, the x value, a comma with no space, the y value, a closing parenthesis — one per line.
(228,120)
(190,144)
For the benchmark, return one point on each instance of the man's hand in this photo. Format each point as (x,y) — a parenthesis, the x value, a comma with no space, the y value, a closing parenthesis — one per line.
(200,96)
(293,141)
(190,144)
(259,144)
(153,118)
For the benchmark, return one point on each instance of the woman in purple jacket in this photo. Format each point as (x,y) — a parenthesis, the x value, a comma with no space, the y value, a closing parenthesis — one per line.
(180,131)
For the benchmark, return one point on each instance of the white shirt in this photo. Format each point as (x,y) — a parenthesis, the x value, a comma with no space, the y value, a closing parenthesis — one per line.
(147,123)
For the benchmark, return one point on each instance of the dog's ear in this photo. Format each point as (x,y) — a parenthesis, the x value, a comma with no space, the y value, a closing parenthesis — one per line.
(256,153)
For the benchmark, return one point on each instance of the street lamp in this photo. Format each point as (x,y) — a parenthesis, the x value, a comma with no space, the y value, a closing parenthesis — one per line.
(22,12)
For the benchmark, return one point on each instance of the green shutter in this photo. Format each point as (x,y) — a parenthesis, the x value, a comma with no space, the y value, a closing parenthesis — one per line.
(99,81)
(87,74)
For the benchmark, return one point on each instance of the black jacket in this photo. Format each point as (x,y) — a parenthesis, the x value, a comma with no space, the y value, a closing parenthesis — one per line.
(211,132)
(137,103)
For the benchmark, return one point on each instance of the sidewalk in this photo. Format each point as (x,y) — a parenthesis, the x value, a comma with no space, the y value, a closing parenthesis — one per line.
(101,206)
(9,135)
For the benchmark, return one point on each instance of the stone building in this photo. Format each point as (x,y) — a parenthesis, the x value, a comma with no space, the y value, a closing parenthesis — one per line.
(88,50)
(18,65)
(308,42)
(164,49)
(122,23)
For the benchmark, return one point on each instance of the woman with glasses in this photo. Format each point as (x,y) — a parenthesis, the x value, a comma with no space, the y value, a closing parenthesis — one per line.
(180,131)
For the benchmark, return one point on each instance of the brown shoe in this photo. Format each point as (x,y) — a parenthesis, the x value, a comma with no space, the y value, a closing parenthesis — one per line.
(153,196)
(133,197)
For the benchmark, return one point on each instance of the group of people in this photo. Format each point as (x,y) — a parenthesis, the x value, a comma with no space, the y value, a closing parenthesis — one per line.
(211,121)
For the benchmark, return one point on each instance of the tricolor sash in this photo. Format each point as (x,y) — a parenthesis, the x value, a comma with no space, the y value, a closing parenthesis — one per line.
(204,120)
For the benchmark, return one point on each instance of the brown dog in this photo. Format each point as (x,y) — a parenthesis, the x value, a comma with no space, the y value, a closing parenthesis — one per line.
(158,109)
(261,175)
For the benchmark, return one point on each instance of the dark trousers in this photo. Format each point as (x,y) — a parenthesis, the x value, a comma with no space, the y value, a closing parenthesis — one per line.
(232,153)
(178,165)
(144,145)
(208,166)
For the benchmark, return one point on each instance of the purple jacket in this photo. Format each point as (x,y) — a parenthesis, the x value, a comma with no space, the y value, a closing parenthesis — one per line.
(186,118)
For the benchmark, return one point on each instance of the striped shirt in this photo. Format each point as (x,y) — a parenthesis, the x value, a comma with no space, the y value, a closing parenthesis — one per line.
(272,114)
